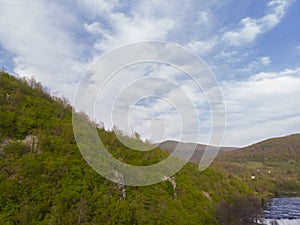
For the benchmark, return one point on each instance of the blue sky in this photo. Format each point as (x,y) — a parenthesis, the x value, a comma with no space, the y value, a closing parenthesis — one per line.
(252,47)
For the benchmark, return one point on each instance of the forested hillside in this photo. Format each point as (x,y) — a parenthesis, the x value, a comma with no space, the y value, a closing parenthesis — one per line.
(45,180)
(271,166)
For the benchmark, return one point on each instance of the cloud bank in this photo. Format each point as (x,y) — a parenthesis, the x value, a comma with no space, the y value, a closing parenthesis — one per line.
(57,41)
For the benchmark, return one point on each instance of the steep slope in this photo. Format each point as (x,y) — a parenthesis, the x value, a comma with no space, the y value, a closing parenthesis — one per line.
(169,147)
(271,166)
(45,180)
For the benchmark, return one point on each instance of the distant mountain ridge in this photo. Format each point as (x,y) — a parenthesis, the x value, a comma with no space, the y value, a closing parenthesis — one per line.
(170,145)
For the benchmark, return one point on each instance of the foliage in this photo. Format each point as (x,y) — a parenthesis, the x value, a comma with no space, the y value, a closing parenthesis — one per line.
(238,211)
(271,166)
(54,185)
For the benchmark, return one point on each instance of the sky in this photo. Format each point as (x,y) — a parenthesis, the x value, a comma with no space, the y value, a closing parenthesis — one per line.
(252,47)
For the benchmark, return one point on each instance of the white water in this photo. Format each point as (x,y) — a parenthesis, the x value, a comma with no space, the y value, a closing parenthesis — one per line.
(283,211)
(283,222)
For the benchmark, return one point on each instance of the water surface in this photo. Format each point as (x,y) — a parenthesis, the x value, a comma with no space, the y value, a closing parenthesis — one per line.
(285,211)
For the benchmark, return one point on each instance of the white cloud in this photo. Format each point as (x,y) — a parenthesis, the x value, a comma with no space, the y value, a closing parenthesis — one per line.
(250,28)
(38,36)
(248,32)
(140,21)
(229,54)
(54,41)
(232,56)
(271,75)
(202,46)
(203,18)
(94,8)
(93,28)
(256,64)
(134,28)
(264,60)
(264,105)
(154,20)
(175,103)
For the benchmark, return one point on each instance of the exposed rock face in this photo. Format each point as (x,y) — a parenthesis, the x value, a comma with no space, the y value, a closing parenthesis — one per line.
(207,195)
(172,180)
(119,178)
(31,141)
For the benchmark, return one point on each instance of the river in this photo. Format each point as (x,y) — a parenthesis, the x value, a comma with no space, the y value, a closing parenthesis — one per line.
(283,211)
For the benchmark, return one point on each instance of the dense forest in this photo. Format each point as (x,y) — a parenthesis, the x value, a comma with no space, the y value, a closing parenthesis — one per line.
(271,167)
(45,180)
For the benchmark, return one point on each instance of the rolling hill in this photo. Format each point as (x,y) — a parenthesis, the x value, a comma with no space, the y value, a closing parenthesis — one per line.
(271,166)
